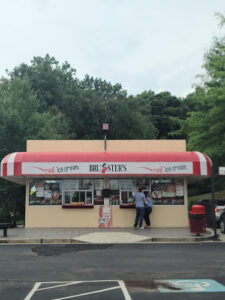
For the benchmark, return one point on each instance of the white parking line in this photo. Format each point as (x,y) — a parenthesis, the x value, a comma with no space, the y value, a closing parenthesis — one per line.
(85,294)
(60,285)
(124,290)
(34,289)
(57,284)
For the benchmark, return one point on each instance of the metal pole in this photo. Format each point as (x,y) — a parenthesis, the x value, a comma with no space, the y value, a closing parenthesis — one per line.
(213,202)
(105,142)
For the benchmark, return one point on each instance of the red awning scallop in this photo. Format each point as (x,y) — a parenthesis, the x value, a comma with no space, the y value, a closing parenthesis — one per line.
(20,165)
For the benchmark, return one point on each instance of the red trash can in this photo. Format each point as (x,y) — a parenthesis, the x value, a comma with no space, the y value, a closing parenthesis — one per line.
(197,219)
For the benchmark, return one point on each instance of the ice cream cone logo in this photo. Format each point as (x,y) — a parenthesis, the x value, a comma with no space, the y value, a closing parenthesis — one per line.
(104,168)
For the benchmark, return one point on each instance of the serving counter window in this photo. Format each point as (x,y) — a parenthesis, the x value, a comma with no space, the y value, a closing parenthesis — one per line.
(77,191)
(98,188)
(114,187)
(127,190)
(45,192)
(164,191)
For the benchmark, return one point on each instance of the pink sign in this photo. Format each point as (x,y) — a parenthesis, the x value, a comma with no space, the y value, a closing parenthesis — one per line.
(105,216)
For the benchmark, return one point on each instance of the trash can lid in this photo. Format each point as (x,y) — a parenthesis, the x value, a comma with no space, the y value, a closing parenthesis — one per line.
(198,209)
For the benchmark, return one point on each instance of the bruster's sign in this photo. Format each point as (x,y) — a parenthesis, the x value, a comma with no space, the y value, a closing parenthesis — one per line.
(107,168)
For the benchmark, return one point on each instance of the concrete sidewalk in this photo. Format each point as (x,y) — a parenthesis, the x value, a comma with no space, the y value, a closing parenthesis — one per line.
(102,236)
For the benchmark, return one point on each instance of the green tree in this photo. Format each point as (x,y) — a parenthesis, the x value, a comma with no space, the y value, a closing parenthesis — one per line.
(21,121)
(163,110)
(205,127)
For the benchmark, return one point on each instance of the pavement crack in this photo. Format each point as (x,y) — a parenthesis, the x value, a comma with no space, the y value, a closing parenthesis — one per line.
(53,250)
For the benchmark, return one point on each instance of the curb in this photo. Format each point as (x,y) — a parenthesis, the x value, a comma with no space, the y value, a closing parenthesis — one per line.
(209,236)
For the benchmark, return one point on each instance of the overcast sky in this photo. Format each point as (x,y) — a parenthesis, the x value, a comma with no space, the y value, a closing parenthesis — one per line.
(153,45)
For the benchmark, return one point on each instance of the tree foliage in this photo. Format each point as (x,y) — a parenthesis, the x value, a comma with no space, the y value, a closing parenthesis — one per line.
(205,125)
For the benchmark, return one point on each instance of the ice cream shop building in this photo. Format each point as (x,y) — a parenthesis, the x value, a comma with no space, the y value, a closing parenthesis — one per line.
(79,183)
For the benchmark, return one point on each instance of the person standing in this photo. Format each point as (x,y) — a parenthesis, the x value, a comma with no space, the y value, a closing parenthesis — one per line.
(148,209)
(139,199)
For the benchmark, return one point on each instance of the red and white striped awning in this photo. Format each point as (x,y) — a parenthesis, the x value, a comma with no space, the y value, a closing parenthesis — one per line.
(20,165)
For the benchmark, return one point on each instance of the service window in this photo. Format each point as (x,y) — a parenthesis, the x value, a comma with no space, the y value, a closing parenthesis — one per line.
(98,188)
(127,191)
(114,198)
(45,192)
(78,191)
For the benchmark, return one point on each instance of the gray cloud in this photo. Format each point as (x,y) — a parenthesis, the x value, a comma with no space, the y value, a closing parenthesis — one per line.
(143,44)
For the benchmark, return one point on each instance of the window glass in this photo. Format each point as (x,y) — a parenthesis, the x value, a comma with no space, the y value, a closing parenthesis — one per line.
(45,192)
(70,184)
(114,198)
(98,188)
(88,198)
(99,184)
(127,197)
(144,183)
(124,197)
(167,191)
(67,197)
(75,197)
(85,184)
(82,197)
(127,184)
(114,184)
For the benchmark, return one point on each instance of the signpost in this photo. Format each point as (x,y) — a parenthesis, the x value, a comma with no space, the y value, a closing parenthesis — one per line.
(221,170)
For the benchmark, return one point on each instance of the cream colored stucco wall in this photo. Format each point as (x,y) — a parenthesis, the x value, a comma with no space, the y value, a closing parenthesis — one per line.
(112,145)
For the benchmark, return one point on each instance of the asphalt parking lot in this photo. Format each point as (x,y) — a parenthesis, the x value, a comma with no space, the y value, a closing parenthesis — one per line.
(138,271)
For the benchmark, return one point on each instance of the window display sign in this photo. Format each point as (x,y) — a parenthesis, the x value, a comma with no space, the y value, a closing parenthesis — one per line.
(47,192)
(105,216)
(164,191)
(40,189)
(167,191)
(179,190)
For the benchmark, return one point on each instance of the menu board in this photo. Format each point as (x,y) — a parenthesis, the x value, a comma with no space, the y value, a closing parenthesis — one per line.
(168,190)
(48,192)
(179,190)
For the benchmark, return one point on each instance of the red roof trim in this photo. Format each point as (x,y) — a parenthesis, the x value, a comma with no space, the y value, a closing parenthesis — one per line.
(12,163)
(105,156)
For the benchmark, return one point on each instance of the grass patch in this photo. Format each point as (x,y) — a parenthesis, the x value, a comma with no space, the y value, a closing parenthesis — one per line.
(218,195)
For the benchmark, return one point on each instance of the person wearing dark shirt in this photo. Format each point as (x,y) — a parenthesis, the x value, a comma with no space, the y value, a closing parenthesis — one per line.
(148,209)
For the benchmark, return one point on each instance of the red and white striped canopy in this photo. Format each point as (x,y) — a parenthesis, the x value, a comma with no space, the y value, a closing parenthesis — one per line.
(20,165)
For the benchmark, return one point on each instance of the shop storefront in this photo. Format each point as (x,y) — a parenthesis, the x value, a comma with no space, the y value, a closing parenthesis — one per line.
(74,188)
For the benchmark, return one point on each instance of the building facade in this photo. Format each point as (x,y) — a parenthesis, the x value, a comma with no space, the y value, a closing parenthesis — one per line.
(84,183)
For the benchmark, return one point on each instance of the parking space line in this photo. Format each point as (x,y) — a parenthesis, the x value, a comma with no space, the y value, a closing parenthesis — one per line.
(34,289)
(124,290)
(60,285)
(90,293)
(57,284)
